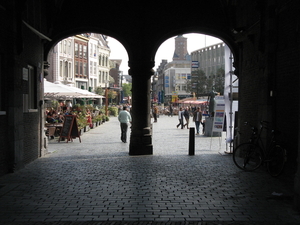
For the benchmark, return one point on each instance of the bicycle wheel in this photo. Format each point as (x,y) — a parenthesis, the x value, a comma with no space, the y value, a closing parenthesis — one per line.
(247,156)
(276,160)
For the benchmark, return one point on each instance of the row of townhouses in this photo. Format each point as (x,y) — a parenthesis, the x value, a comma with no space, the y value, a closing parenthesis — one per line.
(170,81)
(83,61)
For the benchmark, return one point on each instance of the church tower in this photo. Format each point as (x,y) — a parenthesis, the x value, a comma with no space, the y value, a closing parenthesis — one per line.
(180,52)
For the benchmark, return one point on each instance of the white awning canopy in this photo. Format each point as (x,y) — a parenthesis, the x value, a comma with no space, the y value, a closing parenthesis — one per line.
(61,91)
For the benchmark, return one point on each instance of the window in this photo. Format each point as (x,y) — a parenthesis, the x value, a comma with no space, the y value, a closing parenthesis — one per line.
(69,48)
(60,68)
(65,46)
(91,67)
(60,47)
(30,98)
(76,67)
(80,51)
(95,68)
(84,51)
(66,69)
(84,69)
(100,60)
(76,49)
(80,69)
(70,70)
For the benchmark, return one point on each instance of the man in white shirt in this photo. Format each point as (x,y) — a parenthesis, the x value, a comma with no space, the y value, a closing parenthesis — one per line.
(124,118)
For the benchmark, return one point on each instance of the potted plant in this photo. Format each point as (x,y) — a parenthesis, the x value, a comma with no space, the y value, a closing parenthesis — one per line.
(94,120)
(113,111)
(98,119)
(81,121)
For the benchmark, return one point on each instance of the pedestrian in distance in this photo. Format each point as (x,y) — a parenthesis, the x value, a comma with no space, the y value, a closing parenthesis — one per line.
(170,110)
(155,112)
(124,118)
(180,118)
(197,118)
(186,114)
(203,126)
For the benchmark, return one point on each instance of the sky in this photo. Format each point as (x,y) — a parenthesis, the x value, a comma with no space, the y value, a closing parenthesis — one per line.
(165,51)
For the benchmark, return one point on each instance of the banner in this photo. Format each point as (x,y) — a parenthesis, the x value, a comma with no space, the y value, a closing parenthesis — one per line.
(174,98)
(219,114)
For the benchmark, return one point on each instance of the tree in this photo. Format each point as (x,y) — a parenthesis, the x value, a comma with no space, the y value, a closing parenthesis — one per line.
(127,89)
(99,91)
(112,94)
(220,81)
(210,81)
(197,84)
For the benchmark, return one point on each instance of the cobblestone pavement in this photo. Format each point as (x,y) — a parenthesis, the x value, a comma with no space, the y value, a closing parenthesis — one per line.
(97,182)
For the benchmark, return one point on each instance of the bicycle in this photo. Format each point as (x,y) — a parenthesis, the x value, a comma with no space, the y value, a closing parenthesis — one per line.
(251,155)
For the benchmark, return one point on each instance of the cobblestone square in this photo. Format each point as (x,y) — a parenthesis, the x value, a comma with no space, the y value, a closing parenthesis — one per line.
(97,181)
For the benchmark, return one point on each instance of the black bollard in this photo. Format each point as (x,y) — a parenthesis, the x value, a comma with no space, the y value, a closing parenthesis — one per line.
(192,141)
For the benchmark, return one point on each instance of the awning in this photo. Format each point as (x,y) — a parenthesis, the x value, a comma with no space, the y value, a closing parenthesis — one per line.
(61,91)
(192,101)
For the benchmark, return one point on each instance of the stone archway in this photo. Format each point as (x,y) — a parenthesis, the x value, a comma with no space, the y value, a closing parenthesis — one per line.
(141,64)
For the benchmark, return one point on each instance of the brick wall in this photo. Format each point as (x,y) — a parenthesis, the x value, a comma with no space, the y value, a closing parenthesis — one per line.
(31,137)
(4,154)
(270,59)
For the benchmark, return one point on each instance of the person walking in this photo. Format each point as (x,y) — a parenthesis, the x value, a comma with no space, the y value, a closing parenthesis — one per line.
(155,112)
(180,118)
(197,118)
(170,110)
(124,118)
(203,126)
(186,114)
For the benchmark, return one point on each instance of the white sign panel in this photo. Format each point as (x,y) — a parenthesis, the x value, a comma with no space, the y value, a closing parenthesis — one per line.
(195,64)
(219,115)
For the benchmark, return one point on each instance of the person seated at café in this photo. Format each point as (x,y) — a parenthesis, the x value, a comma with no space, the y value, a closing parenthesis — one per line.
(60,118)
(50,118)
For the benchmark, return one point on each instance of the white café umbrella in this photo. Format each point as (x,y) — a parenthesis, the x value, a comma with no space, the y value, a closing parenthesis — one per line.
(60,91)
(84,93)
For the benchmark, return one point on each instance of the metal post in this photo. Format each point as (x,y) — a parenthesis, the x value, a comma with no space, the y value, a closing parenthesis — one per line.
(106,101)
(192,141)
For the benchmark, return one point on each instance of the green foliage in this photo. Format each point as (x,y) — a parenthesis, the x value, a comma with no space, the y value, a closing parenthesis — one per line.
(201,84)
(54,104)
(220,81)
(98,118)
(81,112)
(209,83)
(99,91)
(113,111)
(81,120)
(127,89)
(112,94)
(102,110)
(198,83)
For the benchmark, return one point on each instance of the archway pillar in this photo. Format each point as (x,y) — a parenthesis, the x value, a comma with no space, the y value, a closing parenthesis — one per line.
(141,134)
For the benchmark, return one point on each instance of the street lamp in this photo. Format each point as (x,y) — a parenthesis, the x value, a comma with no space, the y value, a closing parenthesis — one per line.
(106,97)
